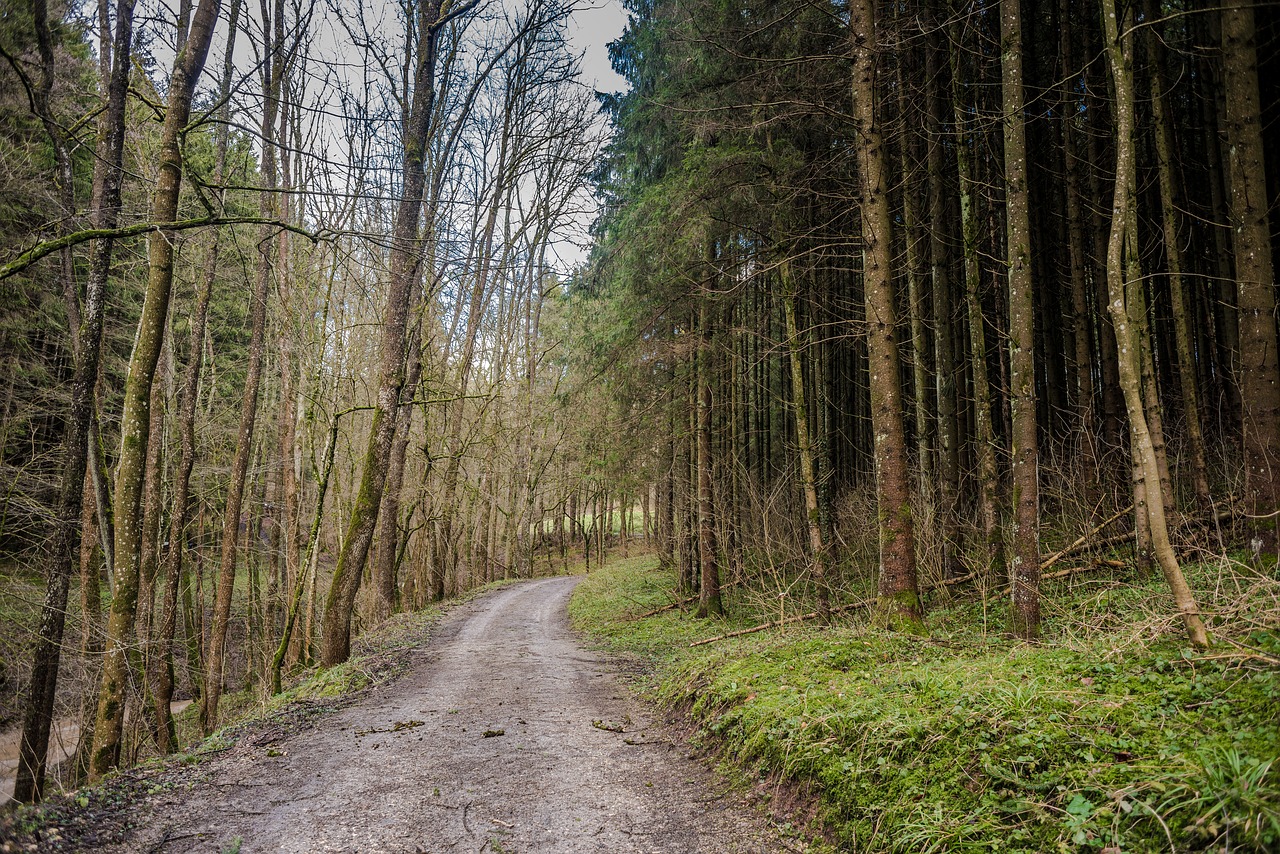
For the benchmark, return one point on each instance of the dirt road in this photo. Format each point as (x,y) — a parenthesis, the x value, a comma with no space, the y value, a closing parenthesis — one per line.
(499,739)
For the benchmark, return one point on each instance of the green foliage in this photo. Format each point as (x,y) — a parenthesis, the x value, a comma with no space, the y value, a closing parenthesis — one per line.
(973,742)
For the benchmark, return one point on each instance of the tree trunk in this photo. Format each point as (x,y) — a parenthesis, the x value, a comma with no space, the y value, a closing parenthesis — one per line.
(1173,259)
(988,481)
(1082,432)
(940,235)
(709,603)
(272,75)
(1255,276)
(135,419)
(386,599)
(406,256)
(38,714)
(808,480)
(1024,565)
(899,600)
(1123,303)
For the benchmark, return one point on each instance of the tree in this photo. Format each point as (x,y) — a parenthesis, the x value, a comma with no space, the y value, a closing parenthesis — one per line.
(1124,285)
(899,600)
(1255,274)
(105,212)
(136,417)
(406,255)
(274,69)
(1024,562)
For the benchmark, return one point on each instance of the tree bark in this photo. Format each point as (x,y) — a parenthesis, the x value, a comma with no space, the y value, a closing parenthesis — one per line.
(1123,305)
(808,479)
(405,257)
(1255,274)
(135,419)
(709,603)
(273,72)
(187,399)
(1082,432)
(898,606)
(1169,192)
(1024,564)
(988,479)
(38,714)
(940,253)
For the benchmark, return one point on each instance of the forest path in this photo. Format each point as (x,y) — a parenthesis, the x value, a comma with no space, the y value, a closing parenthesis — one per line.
(496,740)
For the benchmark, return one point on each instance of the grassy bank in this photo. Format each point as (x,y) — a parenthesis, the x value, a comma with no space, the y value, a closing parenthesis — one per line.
(1108,736)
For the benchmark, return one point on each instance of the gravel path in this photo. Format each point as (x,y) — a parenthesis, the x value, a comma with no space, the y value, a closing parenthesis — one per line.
(500,738)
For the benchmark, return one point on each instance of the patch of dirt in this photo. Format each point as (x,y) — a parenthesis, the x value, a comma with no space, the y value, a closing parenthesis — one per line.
(505,735)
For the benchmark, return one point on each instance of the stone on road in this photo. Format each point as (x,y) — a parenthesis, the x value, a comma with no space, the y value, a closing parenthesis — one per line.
(502,737)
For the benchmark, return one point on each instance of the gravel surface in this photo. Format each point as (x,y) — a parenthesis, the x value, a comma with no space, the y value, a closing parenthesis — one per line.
(506,735)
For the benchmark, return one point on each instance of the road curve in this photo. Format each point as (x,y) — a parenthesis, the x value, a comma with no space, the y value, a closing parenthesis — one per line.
(498,739)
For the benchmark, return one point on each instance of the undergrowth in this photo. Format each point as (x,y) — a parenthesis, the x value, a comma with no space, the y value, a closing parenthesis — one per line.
(1110,735)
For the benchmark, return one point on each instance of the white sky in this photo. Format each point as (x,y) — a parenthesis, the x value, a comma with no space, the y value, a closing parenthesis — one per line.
(592,27)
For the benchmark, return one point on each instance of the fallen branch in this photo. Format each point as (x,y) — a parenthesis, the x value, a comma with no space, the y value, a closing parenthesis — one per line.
(1253,652)
(1100,563)
(1083,539)
(852,606)
(668,607)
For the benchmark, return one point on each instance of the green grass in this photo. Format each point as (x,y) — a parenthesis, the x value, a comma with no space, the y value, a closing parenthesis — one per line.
(1109,736)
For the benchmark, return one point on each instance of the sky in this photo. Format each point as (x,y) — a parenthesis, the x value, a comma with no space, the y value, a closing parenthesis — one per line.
(593,26)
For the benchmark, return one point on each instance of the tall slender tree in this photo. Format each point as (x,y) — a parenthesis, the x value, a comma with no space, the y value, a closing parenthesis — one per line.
(1125,285)
(1255,273)
(1024,559)
(136,417)
(104,214)
(899,599)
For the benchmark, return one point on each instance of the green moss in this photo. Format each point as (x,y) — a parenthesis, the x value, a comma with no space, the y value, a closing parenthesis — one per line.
(900,612)
(972,741)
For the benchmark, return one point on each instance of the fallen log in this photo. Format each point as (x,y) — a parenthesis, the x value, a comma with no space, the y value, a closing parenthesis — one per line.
(671,606)
(1099,563)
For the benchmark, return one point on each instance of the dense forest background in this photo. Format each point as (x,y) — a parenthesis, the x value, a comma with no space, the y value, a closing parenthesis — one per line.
(882,301)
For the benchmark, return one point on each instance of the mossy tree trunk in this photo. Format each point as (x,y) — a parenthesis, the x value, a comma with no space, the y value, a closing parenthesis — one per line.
(136,416)
(1125,289)
(1024,563)
(898,604)
(405,258)
(38,715)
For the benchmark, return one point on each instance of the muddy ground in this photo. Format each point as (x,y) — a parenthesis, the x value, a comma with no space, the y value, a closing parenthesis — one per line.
(504,735)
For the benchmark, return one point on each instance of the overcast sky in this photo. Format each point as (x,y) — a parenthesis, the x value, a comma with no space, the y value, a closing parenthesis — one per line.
(593,26)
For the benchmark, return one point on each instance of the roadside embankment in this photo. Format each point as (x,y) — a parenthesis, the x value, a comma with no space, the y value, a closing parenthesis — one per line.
(1110,735)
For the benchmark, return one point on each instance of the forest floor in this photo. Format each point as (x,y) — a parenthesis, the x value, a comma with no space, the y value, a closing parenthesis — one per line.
(504,735)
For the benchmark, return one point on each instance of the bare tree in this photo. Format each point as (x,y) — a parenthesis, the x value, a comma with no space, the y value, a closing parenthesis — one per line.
(104,214)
